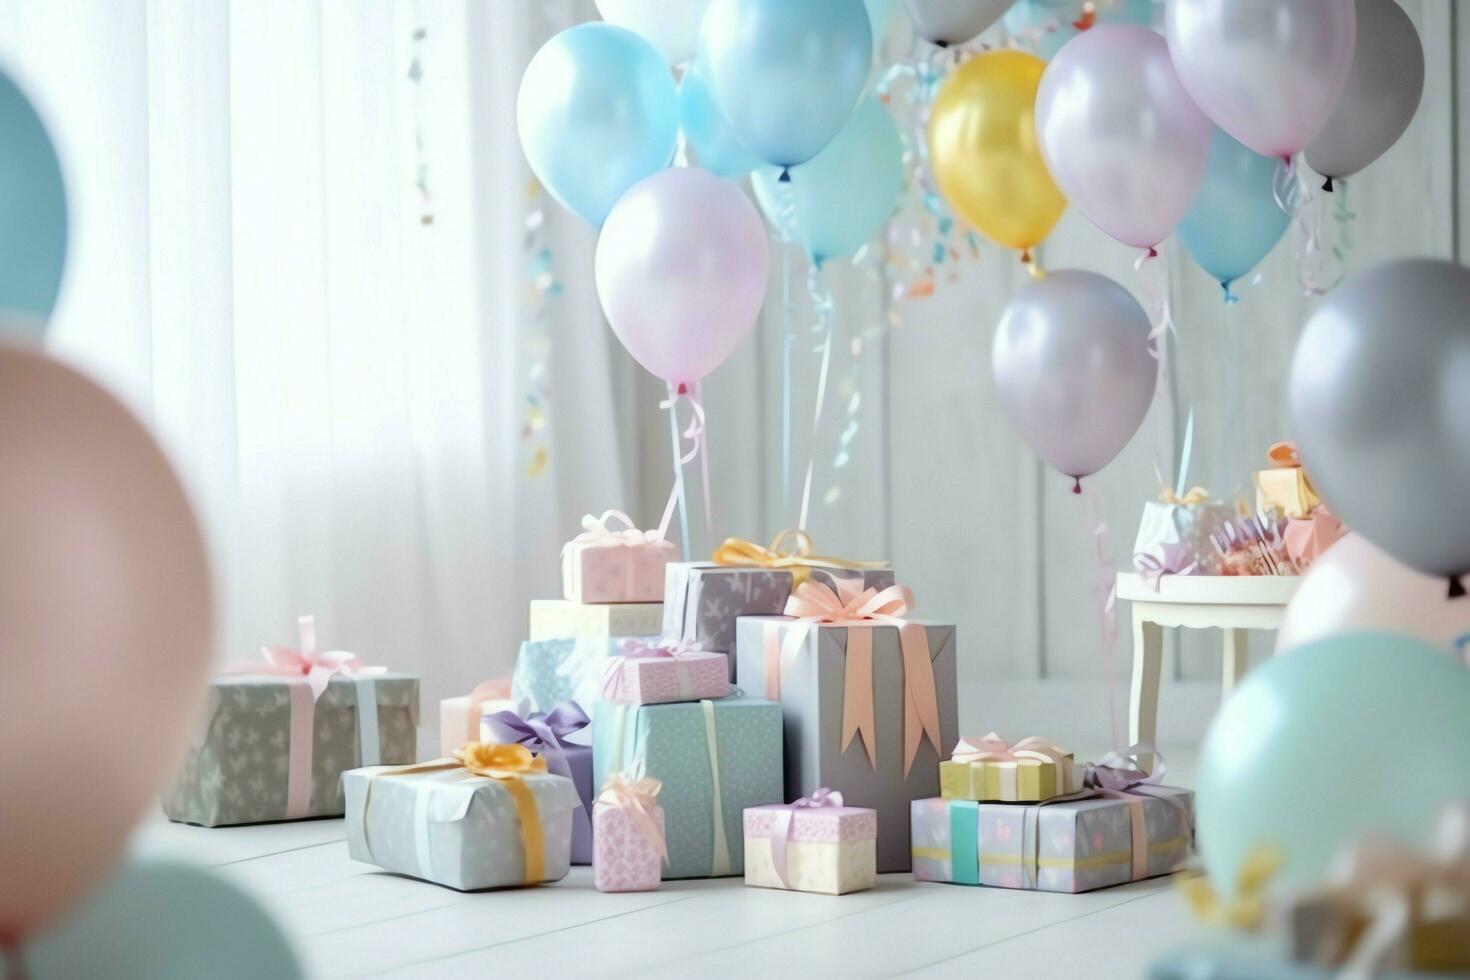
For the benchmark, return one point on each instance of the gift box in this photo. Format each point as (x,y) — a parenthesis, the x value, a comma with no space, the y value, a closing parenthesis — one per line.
(560,737)
(490,817)
(459,718)
(1305,538)
(702,601)
(1285,487)
(813,845)
(548,672)
(792,550)
(1174,535)
(555,619)
(609,564)
(714,758)
(988,769)
(868,699)
(652,673)
(1068,845)
(276,736)
(629,843)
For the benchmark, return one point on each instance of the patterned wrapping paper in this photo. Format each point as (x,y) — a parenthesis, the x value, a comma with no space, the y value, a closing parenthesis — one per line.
(606,565)
(1072,846)
(454,828)
(624,859)
(706,787)
(554,619)
(640,676)
(236,772)
(831,850)
(548,672)
(1019,780)
(702,600)
(811,691)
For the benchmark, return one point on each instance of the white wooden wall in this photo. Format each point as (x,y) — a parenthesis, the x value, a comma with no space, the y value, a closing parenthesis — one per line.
(983,533)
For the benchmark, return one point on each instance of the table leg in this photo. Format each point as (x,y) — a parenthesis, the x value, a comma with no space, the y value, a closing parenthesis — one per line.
(1236,643)
(1148,658)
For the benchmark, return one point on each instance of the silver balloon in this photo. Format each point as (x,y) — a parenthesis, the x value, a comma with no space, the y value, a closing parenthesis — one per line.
(1381,96)
(1073,368)
(1380,394)
(946,22)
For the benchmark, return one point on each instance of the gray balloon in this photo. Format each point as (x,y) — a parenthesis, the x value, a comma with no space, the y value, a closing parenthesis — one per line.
(1380,394)
(946,22)
(1381,95)
(1073,368)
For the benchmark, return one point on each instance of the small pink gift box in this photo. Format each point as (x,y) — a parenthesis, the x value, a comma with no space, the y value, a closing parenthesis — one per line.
(603,565)
(648,672)
(1306,538)
(628,844)
(816,844)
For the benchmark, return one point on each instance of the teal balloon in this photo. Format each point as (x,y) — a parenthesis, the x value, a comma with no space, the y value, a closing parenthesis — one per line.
(1049,24)
(597,112)
(1235,220)
(33,217)
(1358,734)
(163,920)
(786,74)
(706,134)
(837,201)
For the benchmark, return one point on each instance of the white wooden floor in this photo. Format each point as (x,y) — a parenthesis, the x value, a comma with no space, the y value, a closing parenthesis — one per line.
(349,919)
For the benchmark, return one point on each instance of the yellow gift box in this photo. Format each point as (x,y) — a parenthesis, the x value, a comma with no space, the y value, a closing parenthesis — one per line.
(1286,486)
(990,770)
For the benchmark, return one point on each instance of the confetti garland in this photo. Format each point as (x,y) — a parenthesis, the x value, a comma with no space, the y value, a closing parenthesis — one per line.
(543,288)
(849,388)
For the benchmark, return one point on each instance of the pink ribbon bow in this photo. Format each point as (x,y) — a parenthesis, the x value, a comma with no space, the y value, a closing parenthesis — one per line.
(1171,558)
(993,748)
(816,603)
(784,822)
(635,797)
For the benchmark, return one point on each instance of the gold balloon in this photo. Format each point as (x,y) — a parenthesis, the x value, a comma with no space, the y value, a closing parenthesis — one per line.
(982,145)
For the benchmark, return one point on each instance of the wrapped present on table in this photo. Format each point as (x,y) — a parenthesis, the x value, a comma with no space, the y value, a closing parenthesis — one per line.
(278,734)
(714,758)
(1174,535)
(561,737)
(868,698)
(459,718)
(646,672)
(1254,544)
(548,672)
(606,564)
(1123,827)
(555,619)
(629,848)
(1305,538)
(1285,487)
(489,817)
(813,845)
(988,769)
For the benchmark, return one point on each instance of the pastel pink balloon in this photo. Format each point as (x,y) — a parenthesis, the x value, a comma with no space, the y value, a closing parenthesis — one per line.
(681,271)
(1354,587)
(1268,72)
(105,630)
(1119,133)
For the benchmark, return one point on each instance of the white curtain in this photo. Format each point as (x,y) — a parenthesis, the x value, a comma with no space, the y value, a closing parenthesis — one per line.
(299,250)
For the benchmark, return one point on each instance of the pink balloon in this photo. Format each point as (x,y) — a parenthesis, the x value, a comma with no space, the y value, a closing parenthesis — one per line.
(1119,133)
(105,630)
(1354,587)
(1268,72)
(681,271)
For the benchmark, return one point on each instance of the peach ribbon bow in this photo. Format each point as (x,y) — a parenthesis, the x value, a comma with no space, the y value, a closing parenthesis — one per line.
(635,795)
(816,604)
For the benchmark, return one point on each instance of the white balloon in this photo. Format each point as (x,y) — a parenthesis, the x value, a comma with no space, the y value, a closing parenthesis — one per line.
(672,26)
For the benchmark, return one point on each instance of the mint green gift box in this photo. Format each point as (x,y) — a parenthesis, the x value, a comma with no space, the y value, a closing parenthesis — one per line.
(714,758)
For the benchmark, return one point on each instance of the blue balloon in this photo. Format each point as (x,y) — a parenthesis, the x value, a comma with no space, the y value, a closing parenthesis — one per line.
(597,112)
(1049,24)
(706,133)
(880,18)
(838,199)
(163,920)
(1356,734)
(33,217)
(1234,221)
(786,74)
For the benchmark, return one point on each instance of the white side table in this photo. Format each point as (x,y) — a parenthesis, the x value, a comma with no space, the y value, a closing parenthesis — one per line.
(1231,603)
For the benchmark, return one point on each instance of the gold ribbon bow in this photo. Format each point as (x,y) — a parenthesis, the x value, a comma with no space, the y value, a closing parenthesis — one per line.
(1247,909)
(797,558)
(1195,495)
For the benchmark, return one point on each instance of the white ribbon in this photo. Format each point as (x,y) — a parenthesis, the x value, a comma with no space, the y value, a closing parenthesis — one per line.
(369,751)
(720,862)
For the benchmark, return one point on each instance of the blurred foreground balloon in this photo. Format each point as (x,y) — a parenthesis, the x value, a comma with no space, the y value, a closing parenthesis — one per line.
(1378,395)
(1354,587)
(843,195)
(1357,734)
(105,632)
(597,111)
(1073,368)
(681,272)
(1234,221)
(162,920)
(946,22)
(671,26)
(33,217)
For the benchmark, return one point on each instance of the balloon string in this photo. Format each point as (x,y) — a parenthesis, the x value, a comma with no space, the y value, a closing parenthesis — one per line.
(695,435)
(1295,196)
(697,400)
(785,223)
(822,305)
(1106,590)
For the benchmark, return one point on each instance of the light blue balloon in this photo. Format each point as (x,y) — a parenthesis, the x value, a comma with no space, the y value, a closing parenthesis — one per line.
(836,201)
(163,920)
(597,112)
(1356,734)
(1234,221)
(33,217)
(1029,20)
(786,74)
(707,135)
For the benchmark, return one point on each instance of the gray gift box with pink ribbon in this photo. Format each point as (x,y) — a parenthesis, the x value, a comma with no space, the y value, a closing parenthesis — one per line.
(868,699)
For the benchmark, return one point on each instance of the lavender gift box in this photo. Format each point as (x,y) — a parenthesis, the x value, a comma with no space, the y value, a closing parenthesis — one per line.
(561,737)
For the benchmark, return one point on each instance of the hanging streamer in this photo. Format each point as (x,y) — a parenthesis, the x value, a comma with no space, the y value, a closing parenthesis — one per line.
(822,307)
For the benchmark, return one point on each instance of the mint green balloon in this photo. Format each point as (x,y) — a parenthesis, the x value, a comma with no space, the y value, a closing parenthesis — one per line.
(164,920)
(33,223)
(1360,733)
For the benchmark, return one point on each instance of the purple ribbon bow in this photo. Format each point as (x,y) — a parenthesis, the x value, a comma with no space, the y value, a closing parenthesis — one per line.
(823,798)
(1120,777)
(1172,558)
(544,733)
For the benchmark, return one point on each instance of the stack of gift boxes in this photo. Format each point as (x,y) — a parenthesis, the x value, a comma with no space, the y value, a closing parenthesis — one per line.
(771,712)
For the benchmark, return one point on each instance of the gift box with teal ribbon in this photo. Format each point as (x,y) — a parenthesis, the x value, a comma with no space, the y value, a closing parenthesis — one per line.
(714,758)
